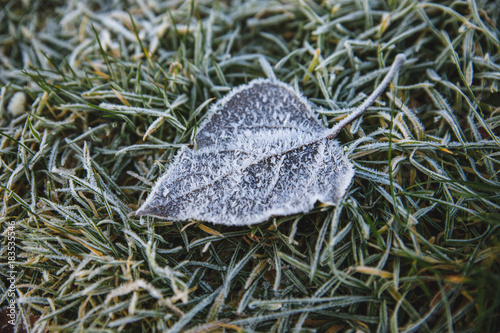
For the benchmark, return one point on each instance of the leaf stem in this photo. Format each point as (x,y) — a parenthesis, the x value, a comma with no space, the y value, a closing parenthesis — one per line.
(398,62)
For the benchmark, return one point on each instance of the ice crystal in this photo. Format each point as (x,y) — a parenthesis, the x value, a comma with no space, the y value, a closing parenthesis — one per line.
(261,152)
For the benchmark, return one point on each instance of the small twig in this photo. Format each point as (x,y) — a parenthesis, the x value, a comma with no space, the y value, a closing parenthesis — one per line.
(398,62)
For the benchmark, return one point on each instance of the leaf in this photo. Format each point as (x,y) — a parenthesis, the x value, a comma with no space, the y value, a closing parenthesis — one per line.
(260,152)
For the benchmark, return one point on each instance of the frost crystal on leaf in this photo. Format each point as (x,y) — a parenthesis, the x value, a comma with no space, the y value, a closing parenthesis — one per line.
(261,152)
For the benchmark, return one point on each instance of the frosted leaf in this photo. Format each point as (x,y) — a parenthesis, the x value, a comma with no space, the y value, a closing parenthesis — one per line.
(261,152)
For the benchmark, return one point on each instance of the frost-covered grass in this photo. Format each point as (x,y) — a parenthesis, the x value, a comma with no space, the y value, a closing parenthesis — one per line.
(111,90)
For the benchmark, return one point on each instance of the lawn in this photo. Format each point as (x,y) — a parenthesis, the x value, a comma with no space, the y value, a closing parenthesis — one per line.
(97,97)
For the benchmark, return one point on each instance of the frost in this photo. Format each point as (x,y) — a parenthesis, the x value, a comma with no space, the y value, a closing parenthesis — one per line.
(16,104)
(261,152)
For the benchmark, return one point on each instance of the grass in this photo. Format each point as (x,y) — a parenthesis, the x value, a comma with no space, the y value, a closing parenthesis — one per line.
(113,91)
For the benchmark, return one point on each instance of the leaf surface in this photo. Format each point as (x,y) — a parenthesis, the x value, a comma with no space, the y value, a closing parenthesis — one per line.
(261,152)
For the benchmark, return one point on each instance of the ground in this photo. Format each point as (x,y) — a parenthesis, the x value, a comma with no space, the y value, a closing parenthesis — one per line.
(97,97)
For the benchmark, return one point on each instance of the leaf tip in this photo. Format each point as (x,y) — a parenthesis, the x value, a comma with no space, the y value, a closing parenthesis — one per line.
(143,210)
